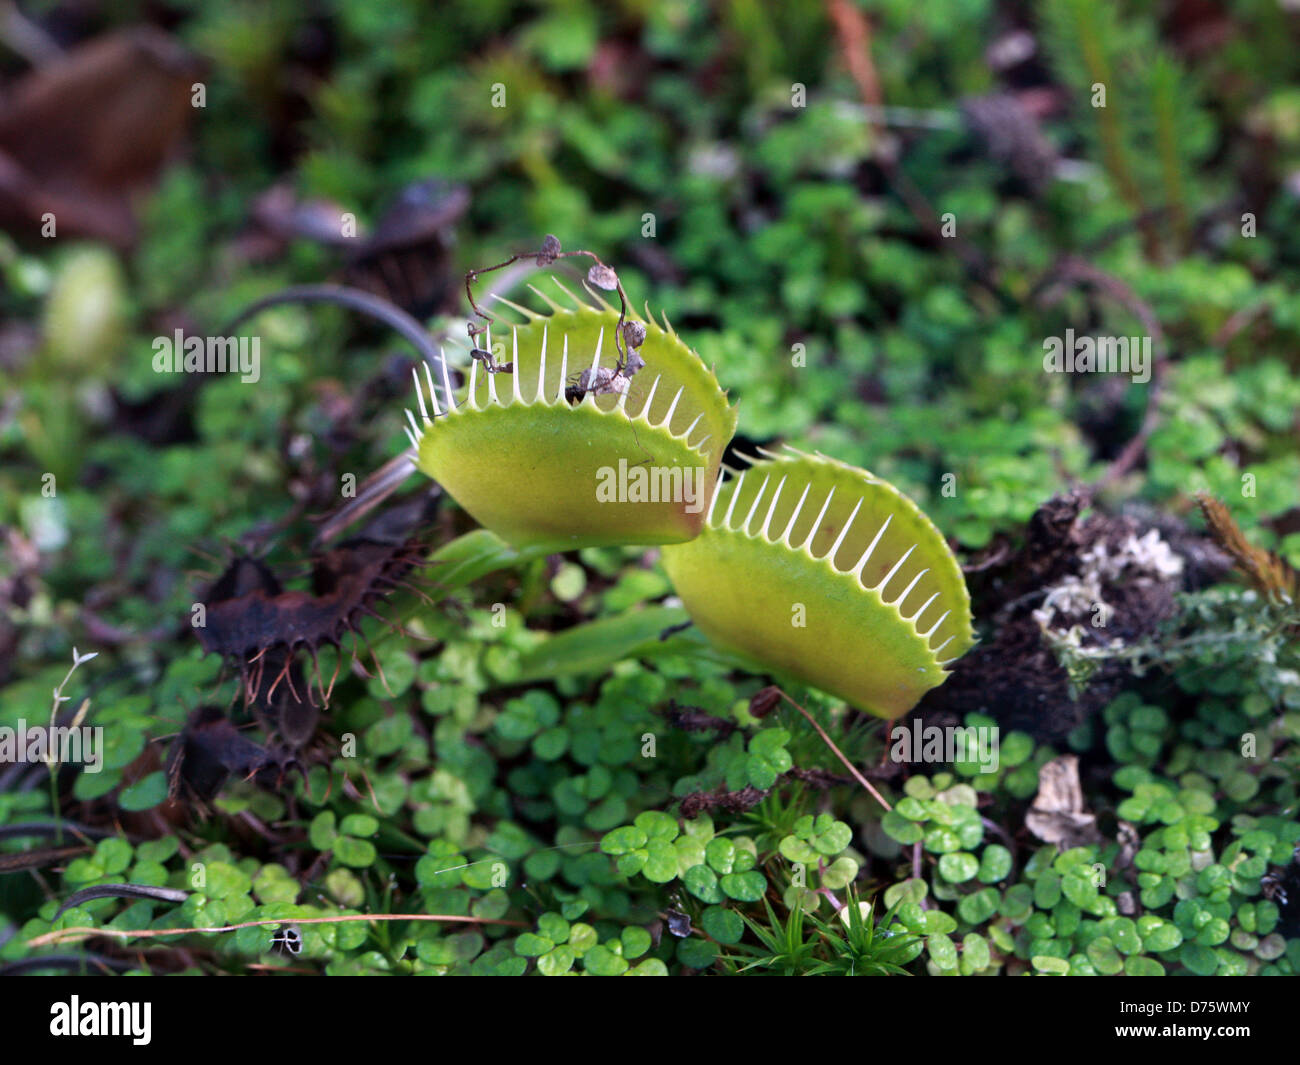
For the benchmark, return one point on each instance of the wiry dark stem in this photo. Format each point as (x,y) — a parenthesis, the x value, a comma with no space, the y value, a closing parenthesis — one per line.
(354,299)
(545,255)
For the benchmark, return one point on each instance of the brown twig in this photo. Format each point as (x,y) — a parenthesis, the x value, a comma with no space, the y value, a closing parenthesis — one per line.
(853,30)
(1073,271)
(544,256)
(1237,322)
(838,753)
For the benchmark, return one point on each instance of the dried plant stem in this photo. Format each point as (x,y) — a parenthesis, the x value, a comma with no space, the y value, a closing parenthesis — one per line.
(544,256)
(353,299)
(854,37)
(838,753)
(1072,271)
(64,934)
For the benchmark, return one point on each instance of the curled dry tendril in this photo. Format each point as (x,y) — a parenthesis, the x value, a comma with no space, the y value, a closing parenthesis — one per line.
(601,274)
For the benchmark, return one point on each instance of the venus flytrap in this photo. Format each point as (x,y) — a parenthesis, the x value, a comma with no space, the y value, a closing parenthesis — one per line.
(871,613)
(524,446)
(525,451)
(820,570)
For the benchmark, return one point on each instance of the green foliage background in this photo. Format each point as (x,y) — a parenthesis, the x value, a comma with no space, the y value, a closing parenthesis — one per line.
(484,785)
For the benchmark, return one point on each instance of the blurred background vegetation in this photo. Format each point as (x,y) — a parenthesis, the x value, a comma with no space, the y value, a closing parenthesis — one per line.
(867,216)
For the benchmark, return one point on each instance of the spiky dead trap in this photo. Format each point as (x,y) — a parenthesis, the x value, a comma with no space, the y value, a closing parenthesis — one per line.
(267,632)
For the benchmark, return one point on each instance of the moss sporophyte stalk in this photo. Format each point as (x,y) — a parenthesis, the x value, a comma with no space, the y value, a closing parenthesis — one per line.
(800,564)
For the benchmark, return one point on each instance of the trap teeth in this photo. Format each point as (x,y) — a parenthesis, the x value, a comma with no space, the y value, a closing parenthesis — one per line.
(806,565)
(533,458)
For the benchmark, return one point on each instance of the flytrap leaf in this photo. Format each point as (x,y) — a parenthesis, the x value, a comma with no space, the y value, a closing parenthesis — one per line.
(540,460)
(825,572)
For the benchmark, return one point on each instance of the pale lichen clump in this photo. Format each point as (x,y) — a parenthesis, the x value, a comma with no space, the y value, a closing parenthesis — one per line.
(825,572)
(529,451)
(1082,595)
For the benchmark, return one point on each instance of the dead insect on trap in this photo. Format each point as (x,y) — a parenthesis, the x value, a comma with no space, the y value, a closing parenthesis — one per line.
(531,451)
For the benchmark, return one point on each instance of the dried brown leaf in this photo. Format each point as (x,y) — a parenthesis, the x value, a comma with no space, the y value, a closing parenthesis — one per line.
(1271,575)
(1057,815)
